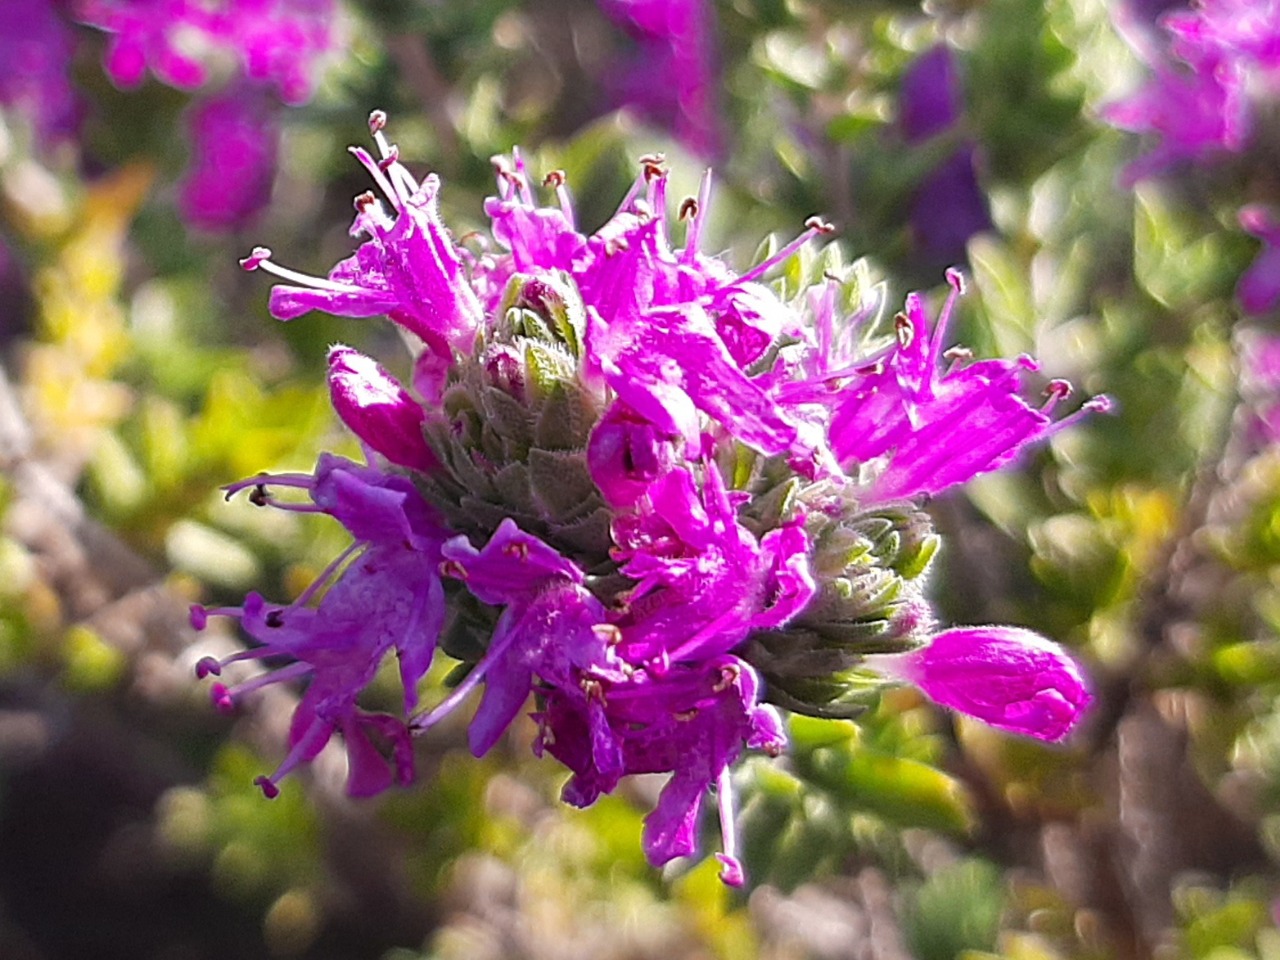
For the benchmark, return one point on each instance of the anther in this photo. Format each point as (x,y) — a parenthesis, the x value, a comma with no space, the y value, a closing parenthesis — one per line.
(517,550)
(1058,389)
(615,245)
(274,619)
(377,121)
(957,354)
(592,689)
(255,258)
(684,716)
(607,633)
(265,784)
(554,179)
(391,159)
(729,675)
(258,496)
(221,697)
(956,279)
(903,328)
(688,208)
(208,667)
(364,201)
(452,568)
(820,225)
(199,617)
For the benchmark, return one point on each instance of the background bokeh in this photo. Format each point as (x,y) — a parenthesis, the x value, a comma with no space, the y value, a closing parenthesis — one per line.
(141,372)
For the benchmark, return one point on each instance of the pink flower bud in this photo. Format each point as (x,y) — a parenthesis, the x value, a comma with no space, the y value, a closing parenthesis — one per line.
(1008,677)
(377,409)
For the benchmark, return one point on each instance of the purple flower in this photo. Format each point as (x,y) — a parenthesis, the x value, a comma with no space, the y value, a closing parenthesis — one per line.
(233,159)
(934,427)
(655,487)
(388,598)
(276,41)
(36,47)
(1259,288)
(692,722)
(672,76)
(931,99)
(1209,64)
(948,206)
(1007,677)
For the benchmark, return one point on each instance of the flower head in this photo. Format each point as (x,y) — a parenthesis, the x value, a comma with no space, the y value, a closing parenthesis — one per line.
(649,493)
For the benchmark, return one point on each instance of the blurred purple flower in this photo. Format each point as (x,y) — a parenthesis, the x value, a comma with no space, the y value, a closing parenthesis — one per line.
(275,41)
(637,460)
(36,48)
(1259,288)
(234,139)
(949,205)
(672,77)
(1209,63)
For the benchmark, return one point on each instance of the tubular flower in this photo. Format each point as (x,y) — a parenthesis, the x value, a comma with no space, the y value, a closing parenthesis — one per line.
(640,488)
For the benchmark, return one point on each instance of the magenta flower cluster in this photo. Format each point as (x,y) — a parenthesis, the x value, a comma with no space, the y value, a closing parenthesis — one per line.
(633,486)
(1215,71)
(246,56)
(1210,63)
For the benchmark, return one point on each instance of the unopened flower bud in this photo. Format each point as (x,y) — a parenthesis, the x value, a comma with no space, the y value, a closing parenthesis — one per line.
(1007,677)
(377,409)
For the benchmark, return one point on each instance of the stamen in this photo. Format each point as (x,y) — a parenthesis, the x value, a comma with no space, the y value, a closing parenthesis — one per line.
(688,209)
(904,330)
(377,122)
(693,233)
(554,179)
(607,633)
(729,675)
(813,227)
(256,258)
(1055,391)
(732,874)
(379,177)
(261,258)
(326,575)
(452,568)
(268,787)
(208,667)
(426,721)
(302,481)
(390,157)
(652,166)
